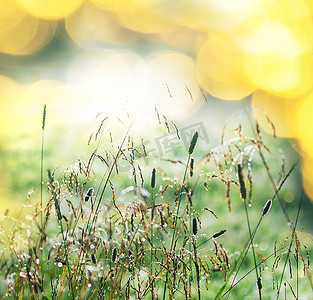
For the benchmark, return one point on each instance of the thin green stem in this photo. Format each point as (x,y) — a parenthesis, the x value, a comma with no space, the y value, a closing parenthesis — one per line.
(252,246)
(43,124)
(41,173)
(190,257)
(175,220)
(243,256)
(289,250)
(151,247)
(243,277)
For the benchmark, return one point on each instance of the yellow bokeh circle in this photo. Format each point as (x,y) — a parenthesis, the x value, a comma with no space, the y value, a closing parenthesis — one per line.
(220,69)
(50,9)
(270,110)
(91,27)
(275,60)
(145,16)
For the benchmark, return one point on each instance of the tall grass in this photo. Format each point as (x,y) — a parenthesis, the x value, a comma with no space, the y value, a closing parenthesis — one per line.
(103,235)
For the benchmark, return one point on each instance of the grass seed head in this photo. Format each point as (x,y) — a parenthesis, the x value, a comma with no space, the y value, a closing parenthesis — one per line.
(192,162)
(114,255)
(267,207)
(89,194)
(216,235)
(193,143)
(152,181)
(194,226)
(259,283)
(243,192)
(44,114)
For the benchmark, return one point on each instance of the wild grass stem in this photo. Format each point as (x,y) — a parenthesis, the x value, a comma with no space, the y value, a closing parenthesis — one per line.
(43,124)
(289,251)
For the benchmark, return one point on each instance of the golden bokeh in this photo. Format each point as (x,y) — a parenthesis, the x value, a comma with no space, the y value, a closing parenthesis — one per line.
(279,111)
(113,5)
(220,72)
(287,11)
(11,14)
(9,89)
(174,88)
(307,175)
(304,125)
(231,49)
(90,27)
(146,16)
(216,15)
(20,32)
(272,58)
(50,9)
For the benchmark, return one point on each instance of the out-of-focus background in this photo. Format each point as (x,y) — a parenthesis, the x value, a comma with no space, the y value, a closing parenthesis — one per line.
(188,60)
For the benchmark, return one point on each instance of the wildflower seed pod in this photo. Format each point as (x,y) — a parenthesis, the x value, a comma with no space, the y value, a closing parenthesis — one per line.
(192,162)
(152,181)
(193,143)
(114,254)
(267,207)
(242,185)
(216,235)
(89,194)
(44,113)
(194,226)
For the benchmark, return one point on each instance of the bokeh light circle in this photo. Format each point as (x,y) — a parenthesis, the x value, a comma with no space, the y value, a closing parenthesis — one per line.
(50,9)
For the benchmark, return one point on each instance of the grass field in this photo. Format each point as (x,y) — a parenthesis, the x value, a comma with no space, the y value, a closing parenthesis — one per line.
(221,220)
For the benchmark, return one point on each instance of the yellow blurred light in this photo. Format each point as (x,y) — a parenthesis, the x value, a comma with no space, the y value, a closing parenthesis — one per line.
(90,26)
(50,9)
(220,69)
(307,175)
(280,111)
(287,10)
(219,14)
(17,28)
(302,31)
(304,125)
(24,34)
(114,82)
(274,60)
(270,38)
(25,103)
(114,5)
(174,91)
(9,90)
(25,106)
(121,84)
(10,15)
(146,16)
(43,35)
(184,38)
